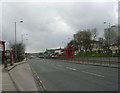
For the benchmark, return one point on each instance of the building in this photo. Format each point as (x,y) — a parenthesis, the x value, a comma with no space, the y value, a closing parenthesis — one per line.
(112,36)
(2,52)
(97,47)
(56,52)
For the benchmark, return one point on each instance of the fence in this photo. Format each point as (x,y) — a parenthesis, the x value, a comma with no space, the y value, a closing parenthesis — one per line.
(101,61)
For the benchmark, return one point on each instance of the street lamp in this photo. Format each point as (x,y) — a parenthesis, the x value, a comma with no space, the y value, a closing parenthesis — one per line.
(16,38)
(109,25)
(21,21)
(22,39)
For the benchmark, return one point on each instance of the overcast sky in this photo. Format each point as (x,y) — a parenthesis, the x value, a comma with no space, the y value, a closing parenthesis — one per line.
(52,24)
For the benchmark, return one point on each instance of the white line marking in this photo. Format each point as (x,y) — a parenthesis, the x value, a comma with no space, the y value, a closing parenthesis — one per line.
(44,87)
(38,77)
(92,74)
(42,84)
(71,68)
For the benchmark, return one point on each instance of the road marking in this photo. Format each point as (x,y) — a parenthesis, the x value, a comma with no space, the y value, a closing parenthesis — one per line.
(41,83)
(38,77)
(92,74)
(71,68)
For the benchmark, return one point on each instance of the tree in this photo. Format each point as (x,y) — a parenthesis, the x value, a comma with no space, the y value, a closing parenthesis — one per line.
(20,47)
(84,39)
(118,41)
(75,44)
(93,36)
(102,42)
(94,33)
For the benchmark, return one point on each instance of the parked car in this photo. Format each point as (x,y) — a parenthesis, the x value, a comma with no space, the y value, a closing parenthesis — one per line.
(32,57)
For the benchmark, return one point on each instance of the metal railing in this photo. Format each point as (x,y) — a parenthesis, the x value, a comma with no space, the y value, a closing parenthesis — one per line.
(100,61)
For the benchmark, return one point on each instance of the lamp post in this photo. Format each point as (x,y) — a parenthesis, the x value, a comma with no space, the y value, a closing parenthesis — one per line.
(22,37)
(109,25)
(22,40)
(16,39)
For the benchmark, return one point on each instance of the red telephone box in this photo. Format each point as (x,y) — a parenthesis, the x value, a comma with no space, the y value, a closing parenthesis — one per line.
(69,51)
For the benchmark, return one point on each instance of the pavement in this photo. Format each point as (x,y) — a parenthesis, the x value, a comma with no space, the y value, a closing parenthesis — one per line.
(18,77)
(56,75)
(7,83)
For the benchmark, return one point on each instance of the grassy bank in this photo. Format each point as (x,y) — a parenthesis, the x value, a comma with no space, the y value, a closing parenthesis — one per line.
(94,54)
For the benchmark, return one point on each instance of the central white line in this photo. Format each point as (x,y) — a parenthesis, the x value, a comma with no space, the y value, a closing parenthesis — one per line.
(92,74)
(71,68)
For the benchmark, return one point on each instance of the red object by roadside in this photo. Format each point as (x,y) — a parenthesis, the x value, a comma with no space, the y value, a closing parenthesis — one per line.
(69,51)
(11,57)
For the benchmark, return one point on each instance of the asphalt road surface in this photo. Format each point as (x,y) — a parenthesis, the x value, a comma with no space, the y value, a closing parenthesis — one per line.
(57,75)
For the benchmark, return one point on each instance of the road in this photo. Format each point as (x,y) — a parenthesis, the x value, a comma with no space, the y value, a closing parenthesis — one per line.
(57,75)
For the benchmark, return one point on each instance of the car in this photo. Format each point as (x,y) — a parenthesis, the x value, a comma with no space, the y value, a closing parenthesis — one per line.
(32,57)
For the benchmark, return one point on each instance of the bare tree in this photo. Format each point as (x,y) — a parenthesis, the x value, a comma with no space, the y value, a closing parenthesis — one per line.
(93,36)
(84,39)
(20,48)
(94,33)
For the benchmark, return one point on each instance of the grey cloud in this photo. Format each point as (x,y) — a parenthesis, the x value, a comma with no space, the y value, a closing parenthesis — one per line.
(50,24)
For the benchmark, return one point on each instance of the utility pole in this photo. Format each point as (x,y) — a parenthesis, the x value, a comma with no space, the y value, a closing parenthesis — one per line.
(16,40)
(109,36)
(22,37)
(108,32)
(15,45)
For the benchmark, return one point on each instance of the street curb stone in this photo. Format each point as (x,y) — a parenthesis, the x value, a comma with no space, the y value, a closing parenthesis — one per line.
(16,64)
